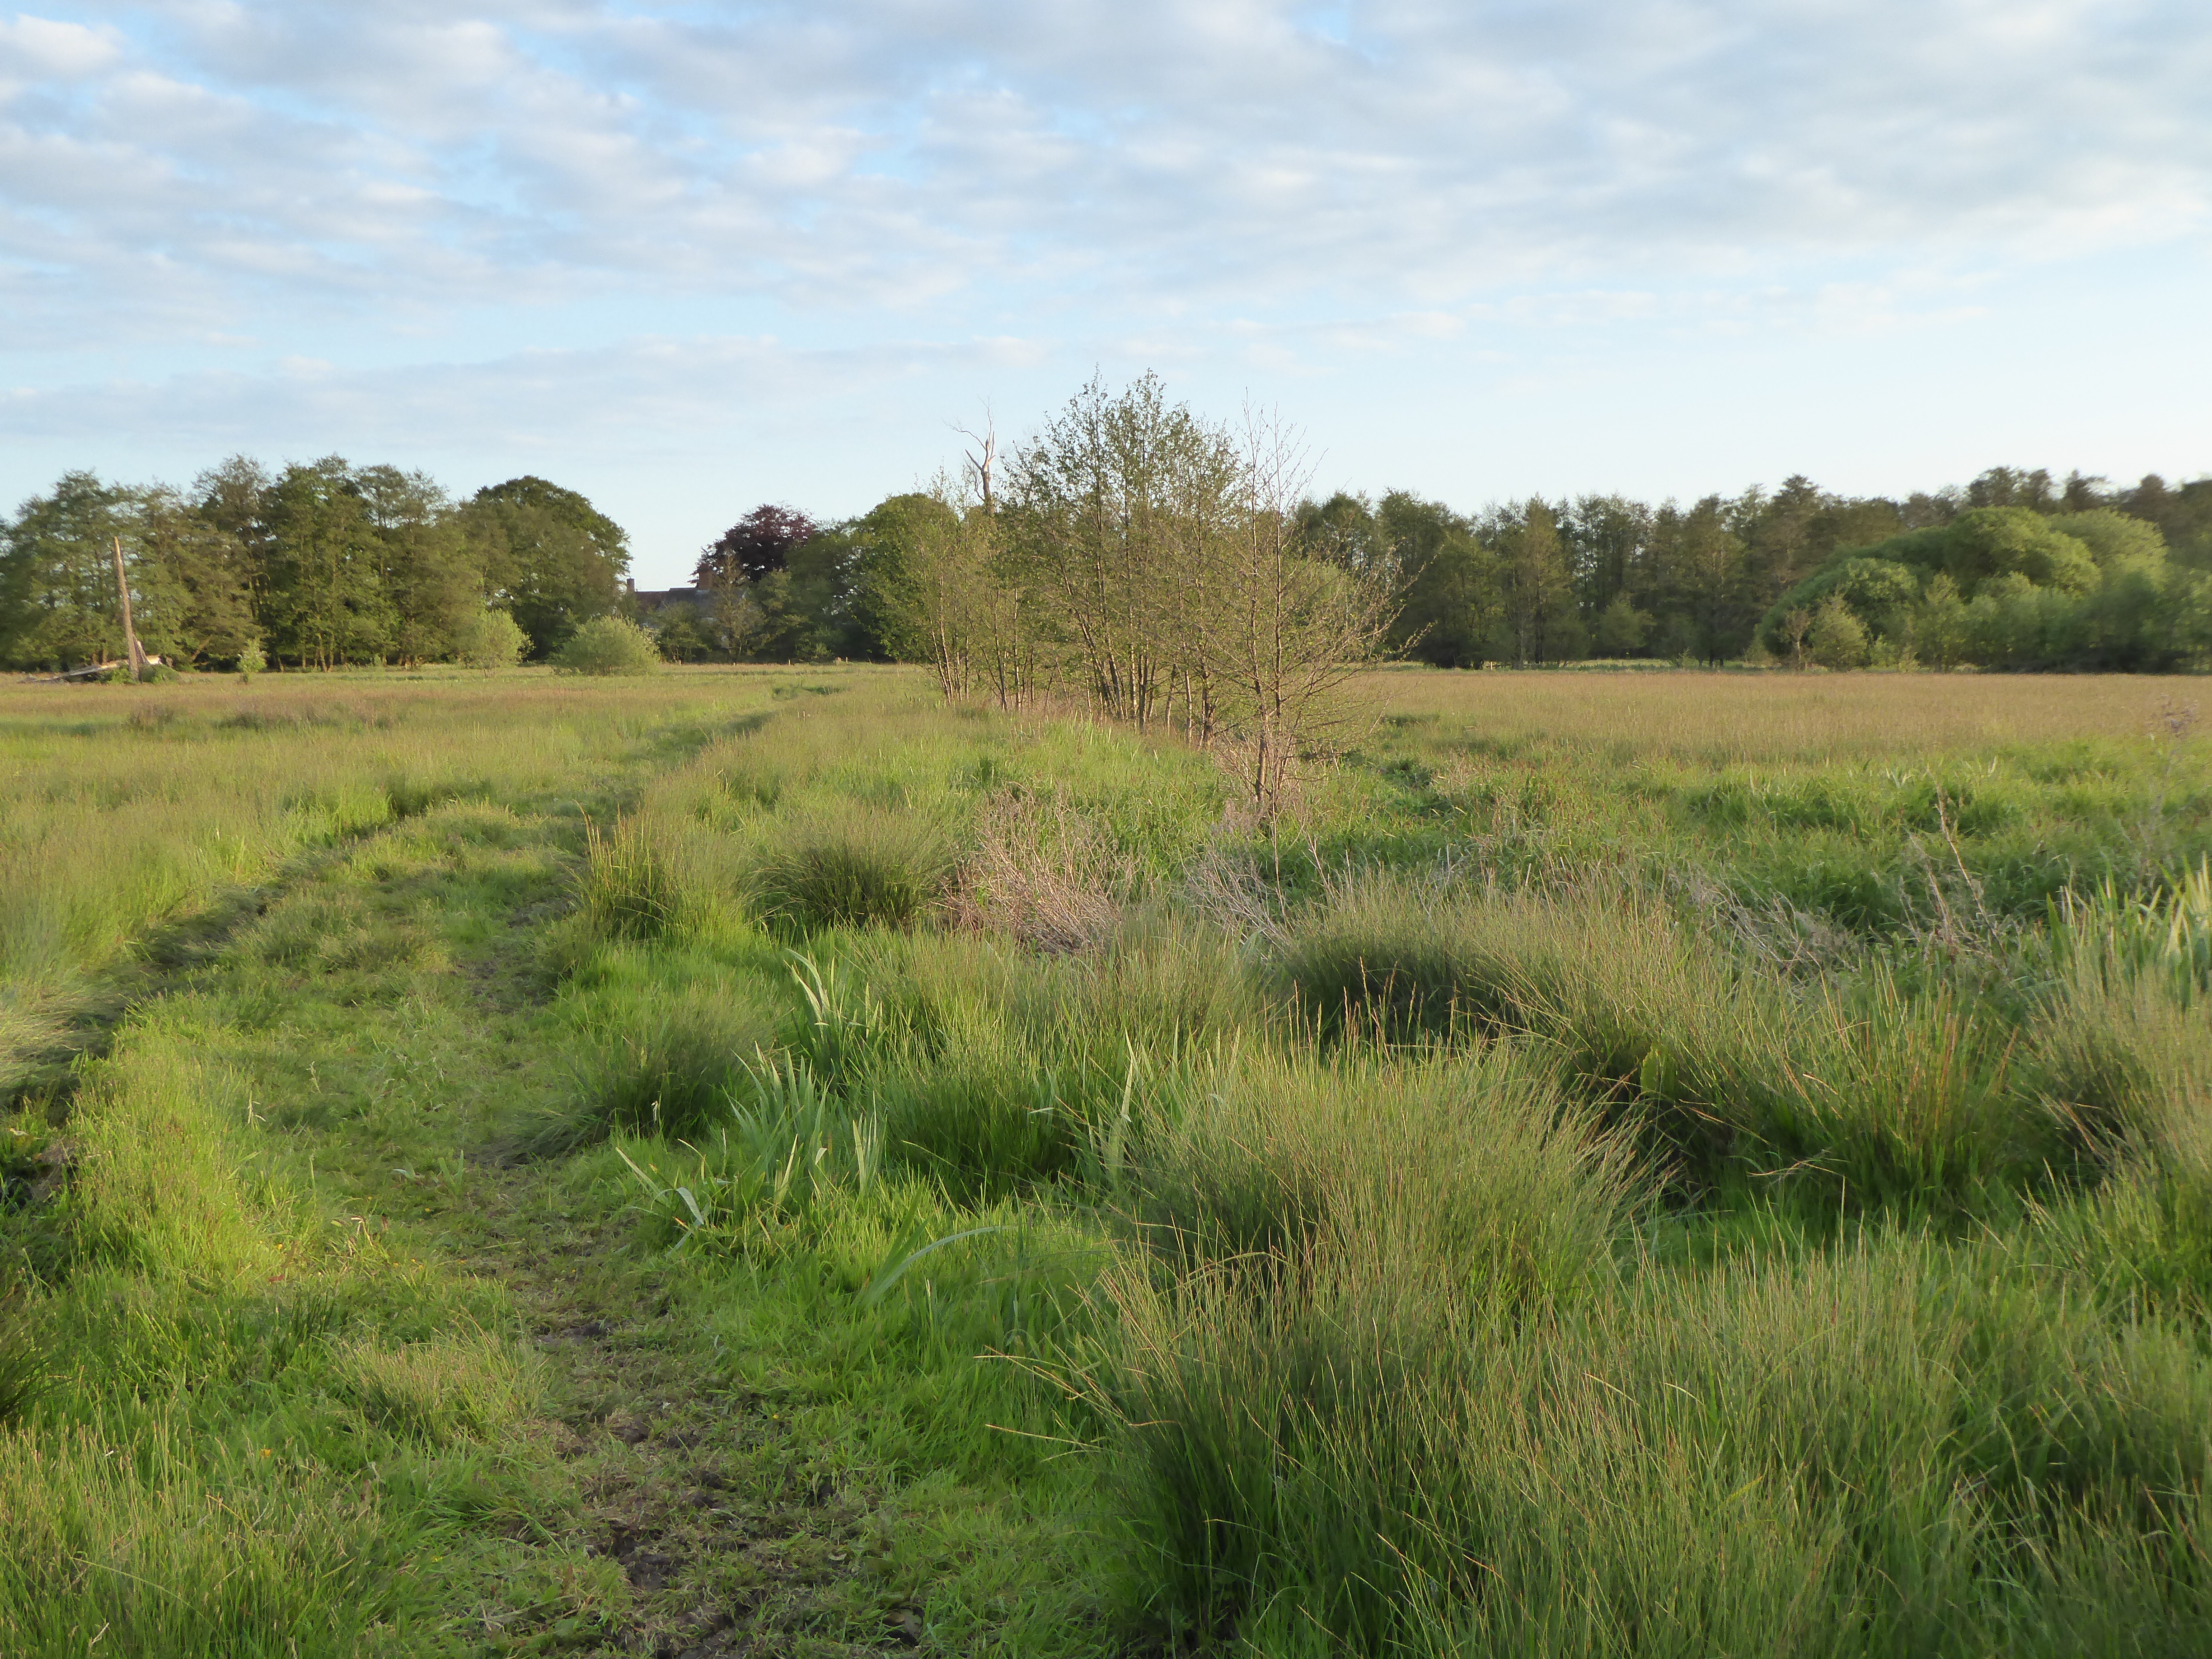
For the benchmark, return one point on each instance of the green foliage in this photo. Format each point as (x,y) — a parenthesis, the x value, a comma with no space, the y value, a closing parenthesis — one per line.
(550,558)
(1837,638)
(1621,629)
(59,582)
(609,645)
(485,638)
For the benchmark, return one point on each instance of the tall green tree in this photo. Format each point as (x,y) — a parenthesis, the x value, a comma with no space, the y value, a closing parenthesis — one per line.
(1450,601)
(324,597)
(1606,537)
(1120,507)
(1540,620)
(428,568)
(196,579)
(1704,560)
(59,574)
(547,555)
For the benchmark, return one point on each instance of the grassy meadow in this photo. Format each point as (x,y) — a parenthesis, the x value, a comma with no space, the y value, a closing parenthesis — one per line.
(762,1161)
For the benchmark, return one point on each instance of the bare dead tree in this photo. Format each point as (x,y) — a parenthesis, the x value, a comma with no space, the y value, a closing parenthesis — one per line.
(130,635)
(983,458)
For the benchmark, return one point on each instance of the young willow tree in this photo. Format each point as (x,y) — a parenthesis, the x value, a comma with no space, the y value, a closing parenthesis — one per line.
(1159,565)
(1281,629)
(941,571)
(1116,513)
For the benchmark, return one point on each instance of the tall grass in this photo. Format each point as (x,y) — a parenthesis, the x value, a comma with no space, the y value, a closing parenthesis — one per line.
(855,865)
(1857,1086)
(1881,1453)
(1685,1195)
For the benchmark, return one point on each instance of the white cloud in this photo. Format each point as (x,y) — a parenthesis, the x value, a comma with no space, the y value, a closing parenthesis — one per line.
(194,191)
(875,151)
(41,48)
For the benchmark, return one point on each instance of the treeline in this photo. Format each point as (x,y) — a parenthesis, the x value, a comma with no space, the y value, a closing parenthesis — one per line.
(1104,554)
(316,565)
(2130,586)
(2014,570)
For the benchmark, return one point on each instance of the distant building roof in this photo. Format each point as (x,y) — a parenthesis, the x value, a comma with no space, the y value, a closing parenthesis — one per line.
(654,599)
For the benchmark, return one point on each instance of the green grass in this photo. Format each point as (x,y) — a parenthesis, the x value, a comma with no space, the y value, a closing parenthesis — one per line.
(701,1162)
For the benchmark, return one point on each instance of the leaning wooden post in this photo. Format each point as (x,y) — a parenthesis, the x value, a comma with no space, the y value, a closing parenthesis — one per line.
(130,633)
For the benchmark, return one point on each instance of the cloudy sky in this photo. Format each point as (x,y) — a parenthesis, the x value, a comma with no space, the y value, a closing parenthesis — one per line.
(687,258)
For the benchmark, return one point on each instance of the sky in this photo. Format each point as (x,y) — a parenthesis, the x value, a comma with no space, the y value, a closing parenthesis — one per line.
(690,258)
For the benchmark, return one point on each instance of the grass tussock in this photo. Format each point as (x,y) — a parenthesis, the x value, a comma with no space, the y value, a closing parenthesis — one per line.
(636,884)
(856,866)
(652,1053)
(1473,1171)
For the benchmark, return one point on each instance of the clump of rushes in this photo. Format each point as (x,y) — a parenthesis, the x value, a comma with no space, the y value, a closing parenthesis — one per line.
(857,865)
(633,885)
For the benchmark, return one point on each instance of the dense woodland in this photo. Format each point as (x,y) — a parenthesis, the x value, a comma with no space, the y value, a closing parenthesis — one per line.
(318,565)
(1118,547)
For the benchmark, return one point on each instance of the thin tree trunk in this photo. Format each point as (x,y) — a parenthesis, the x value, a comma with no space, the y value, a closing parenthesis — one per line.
(130,633)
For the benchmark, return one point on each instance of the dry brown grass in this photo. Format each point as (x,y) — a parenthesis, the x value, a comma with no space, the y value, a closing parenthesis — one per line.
(1044,874)
(1719,718)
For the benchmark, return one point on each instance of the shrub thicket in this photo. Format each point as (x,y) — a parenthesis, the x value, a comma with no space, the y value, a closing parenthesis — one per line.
(609,645)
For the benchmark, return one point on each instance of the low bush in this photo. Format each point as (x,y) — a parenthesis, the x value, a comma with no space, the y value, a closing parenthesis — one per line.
(609,645)
(490,639)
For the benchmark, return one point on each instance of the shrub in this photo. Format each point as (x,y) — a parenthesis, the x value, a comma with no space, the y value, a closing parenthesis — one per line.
(609,645)
(490,639)
(1837,639)
(251,661)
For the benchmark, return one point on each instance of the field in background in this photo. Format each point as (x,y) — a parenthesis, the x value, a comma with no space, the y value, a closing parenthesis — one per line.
(1724,718)
(764,1162)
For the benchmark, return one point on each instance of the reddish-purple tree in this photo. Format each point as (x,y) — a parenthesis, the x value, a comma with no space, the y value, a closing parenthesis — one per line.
(759,544)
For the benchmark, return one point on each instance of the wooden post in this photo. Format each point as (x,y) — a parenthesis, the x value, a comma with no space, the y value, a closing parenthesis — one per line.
(130,633)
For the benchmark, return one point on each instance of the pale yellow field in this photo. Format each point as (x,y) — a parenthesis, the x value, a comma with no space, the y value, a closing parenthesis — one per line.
(1716,717)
